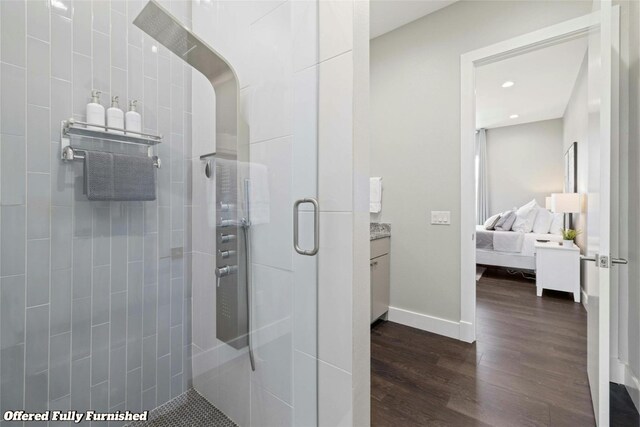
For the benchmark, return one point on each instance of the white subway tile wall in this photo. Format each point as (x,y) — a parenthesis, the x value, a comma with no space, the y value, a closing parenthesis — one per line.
(297,98)
(94,310)
(259,39)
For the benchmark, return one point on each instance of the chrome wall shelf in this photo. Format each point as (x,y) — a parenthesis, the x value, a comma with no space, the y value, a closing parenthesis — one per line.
(72,128)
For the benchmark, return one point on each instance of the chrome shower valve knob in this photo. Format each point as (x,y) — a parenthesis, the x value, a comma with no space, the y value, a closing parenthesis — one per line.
(226,254)
(226,270)
(226,238)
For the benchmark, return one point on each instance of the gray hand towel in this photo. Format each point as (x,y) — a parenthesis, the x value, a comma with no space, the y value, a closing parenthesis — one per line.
(134,178)
(98,175)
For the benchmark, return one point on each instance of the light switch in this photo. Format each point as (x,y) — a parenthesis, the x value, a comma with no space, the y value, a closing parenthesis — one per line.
(441,217)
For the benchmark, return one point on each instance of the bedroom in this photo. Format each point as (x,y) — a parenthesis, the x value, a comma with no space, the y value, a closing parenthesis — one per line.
(531,175)
(531,167)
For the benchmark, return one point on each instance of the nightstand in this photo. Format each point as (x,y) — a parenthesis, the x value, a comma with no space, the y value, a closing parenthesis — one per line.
(558,268)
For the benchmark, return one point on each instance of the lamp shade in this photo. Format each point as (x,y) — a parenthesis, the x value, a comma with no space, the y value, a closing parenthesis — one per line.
(547,202)
(565,202)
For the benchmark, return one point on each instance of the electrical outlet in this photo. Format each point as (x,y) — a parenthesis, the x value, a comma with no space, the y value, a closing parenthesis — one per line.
(441,217)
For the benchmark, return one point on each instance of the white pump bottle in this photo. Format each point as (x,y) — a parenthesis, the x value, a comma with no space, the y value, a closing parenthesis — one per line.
(95,111)
(115,116)
(133,120)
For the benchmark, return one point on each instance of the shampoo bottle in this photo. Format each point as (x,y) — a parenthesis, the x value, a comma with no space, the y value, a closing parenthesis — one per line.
(133,120)
(95,112)
(115,116)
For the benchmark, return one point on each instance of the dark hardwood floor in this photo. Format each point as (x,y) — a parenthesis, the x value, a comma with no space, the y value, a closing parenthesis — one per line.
(527,367)
(623,411)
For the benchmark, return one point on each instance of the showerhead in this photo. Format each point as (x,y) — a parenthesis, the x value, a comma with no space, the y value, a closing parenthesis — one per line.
(231,130)
(160,24)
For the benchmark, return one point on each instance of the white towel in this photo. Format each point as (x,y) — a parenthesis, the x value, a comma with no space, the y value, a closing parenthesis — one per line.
(210,189)
(258,193)
(232,171)
(375,194)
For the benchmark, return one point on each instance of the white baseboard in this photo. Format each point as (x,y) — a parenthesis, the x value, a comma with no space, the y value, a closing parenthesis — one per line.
(585,299)
(425,322)
(633,386)
(621,373)
(617,370)
(467,332)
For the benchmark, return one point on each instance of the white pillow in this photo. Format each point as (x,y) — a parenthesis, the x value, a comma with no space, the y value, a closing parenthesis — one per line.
(505,222)
(542,225)
(525,217)
(557,224)
(491,222)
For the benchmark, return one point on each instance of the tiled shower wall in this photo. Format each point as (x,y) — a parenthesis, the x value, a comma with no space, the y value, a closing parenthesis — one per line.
(298,62)
(95,298)
(258,39)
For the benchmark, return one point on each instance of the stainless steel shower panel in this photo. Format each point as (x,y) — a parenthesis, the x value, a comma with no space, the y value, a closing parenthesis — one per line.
(232,146)
(232,312)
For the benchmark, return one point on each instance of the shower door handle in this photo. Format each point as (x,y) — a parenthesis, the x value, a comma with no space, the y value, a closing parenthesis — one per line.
(316,227)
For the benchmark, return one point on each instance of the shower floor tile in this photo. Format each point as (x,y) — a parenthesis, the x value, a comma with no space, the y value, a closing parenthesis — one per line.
(187,410)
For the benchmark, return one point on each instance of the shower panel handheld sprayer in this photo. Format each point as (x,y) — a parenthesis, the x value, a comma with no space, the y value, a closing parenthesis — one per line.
(246,227)
(233,284)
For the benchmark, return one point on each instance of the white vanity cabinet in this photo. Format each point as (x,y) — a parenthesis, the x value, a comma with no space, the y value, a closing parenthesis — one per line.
(380,277)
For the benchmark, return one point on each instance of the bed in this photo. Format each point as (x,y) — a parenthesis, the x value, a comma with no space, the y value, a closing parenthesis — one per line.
(509,248)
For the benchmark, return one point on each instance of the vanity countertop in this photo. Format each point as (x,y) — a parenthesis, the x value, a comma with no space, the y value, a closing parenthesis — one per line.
(379,230)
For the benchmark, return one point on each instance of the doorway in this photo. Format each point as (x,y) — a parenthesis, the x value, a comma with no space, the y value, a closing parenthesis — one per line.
(601,29)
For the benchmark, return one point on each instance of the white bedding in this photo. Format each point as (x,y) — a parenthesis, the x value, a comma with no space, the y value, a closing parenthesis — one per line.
(508,241)
(511,241)
(484,238)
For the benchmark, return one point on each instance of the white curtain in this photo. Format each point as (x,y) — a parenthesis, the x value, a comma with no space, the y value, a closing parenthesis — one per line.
(482,188)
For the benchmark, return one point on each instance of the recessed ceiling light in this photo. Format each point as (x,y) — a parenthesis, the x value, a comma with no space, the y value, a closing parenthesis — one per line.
(508,83)
(514,116)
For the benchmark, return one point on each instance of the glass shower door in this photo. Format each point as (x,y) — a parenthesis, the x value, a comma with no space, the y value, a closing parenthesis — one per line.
(196,300)
(268,376)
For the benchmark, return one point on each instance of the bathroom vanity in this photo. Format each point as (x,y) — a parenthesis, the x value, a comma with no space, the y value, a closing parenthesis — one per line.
(379,268)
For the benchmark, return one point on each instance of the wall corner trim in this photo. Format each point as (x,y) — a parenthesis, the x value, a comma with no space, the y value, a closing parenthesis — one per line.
(467,332)
(632,382)
(585,299)
(621,373)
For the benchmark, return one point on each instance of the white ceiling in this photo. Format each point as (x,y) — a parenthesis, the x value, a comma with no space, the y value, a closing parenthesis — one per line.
(387,15)
(544,80)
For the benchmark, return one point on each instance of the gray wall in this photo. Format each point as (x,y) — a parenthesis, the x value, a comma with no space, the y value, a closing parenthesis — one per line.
(94,312)
(524,162)
(415,144)
(576,129)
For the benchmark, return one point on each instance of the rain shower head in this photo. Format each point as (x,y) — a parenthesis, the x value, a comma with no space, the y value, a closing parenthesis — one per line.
(160,24)
(232,137)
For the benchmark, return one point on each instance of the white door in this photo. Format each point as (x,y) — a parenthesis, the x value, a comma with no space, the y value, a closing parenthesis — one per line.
(603,86)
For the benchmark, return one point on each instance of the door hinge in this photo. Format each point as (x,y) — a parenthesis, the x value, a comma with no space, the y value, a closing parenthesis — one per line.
(603,261)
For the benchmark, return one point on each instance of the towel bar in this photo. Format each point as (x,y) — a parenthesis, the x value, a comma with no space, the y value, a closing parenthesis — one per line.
(205,156)
(69,154)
